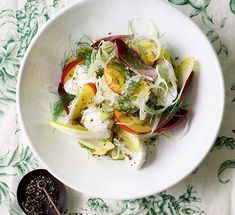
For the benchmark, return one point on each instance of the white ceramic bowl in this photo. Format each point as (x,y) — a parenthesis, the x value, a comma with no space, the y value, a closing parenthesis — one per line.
(63,157)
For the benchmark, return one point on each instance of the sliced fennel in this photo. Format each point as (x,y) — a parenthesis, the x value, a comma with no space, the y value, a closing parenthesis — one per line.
(79,131)
(165,54)
(155,124)
(105,52)
(98,146)
(185,68)
(104,93)
(100,58)
(142,27)
(171,136)
(130,148)
(133,158)
(183,76)
(132,141)
(117,154)
(166,72)
(146,39)
(149,49)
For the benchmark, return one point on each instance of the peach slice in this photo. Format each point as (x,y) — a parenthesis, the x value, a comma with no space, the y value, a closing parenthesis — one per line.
(114,78)
(84,99)
(131,124)
(69,69)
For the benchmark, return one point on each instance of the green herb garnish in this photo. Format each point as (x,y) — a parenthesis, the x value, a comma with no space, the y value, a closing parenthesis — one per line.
(173,109)
(128,74)
(84,51)
(131,84)
(86,147)
(123,104)
(58,106)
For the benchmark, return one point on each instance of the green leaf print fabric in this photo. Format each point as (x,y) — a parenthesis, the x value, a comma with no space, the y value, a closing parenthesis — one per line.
(210,189)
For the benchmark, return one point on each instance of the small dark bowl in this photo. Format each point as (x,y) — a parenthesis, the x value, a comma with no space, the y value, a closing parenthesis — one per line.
(30,176)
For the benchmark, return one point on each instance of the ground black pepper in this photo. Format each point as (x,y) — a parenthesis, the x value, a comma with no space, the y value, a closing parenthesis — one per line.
(36,202)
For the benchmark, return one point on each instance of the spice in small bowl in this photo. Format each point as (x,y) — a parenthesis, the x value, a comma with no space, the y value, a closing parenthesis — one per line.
(37,200)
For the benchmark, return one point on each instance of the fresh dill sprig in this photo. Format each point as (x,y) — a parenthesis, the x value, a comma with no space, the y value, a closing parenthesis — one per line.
(79,50)
(173,109)
(86,147)
(128,74)
(131,84)
(123,104)
(152,102)
(84,51)
(87,39)
(58,106)
(57,110)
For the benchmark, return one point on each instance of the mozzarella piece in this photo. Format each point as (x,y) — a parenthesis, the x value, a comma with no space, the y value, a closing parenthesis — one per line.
(79,78)
(92,121)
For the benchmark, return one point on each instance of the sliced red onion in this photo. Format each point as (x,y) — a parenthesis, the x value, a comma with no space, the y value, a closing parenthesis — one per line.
(63,93)
(132,60)
(173,121)
(163,122)
(186,86)
(111,39)
(61,90)
(68,68)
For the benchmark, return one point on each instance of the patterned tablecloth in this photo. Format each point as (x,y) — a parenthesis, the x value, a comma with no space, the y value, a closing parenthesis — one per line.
(208,190)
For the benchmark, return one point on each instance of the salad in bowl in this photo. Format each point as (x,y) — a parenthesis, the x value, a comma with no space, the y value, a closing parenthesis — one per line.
(119,93)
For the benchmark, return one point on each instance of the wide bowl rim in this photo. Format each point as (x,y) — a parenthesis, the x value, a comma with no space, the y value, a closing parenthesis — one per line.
(85,191)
